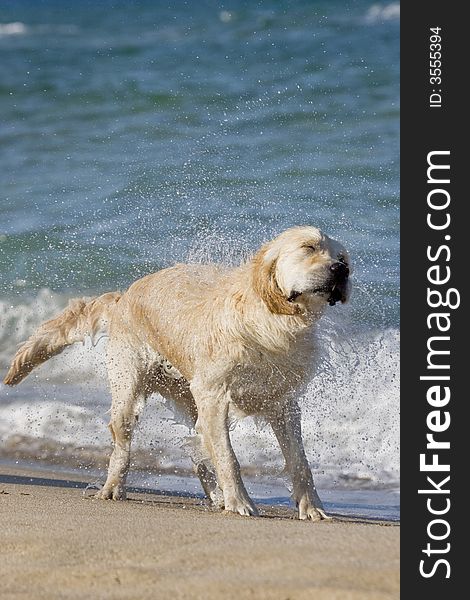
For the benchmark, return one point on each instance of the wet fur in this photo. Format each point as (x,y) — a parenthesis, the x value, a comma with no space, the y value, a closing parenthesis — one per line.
(237,339)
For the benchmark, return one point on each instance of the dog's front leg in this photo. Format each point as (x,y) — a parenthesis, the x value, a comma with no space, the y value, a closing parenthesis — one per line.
(286,425)
(212,425)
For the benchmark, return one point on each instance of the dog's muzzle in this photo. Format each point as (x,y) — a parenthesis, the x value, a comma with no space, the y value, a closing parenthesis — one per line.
(340,274)
(336,288)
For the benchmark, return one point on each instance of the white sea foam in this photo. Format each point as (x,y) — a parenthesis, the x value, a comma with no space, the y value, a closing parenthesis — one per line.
(383,12)
(350,410)
(16,28)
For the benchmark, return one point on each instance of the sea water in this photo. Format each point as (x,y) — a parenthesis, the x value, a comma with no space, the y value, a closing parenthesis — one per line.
(137,134)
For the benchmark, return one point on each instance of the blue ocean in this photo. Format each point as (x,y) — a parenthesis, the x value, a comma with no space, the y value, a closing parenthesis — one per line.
(134,135)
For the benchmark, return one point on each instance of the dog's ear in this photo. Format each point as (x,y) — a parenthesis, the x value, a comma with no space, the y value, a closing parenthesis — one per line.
(266,286)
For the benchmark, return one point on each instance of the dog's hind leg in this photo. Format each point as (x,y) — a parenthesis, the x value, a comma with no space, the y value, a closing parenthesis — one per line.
(205,470)
(124,415)
(127,402)
(209,484)
(200,458)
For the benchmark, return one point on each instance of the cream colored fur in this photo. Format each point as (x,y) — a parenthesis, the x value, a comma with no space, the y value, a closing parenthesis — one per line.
(237,339)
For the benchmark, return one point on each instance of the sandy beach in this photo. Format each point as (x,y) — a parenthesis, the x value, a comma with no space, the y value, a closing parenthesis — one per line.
(58,542)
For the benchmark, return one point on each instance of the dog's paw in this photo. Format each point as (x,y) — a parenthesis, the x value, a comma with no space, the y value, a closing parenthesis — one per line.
(112,492)
(236,503)
(314,514)
(307,511)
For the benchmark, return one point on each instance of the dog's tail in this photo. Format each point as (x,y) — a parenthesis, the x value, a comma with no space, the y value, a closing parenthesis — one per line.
(82,317)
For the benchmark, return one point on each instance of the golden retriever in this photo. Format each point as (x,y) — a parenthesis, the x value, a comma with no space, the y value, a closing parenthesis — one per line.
(214,340)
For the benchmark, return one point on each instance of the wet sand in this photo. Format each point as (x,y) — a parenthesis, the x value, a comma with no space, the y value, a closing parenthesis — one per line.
(57,542)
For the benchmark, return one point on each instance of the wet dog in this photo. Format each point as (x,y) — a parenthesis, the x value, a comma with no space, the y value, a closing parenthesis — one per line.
(214,340)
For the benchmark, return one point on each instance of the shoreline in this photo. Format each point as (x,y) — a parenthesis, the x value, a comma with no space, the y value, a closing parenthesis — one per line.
(268,490)
(59,543)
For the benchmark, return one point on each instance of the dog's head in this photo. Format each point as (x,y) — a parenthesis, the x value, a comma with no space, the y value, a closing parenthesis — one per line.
(301,269)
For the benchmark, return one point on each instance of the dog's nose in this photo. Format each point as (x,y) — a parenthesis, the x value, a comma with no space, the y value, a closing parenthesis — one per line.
(340,270)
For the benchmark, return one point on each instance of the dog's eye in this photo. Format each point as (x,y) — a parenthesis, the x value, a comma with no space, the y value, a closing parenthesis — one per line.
(311,247)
